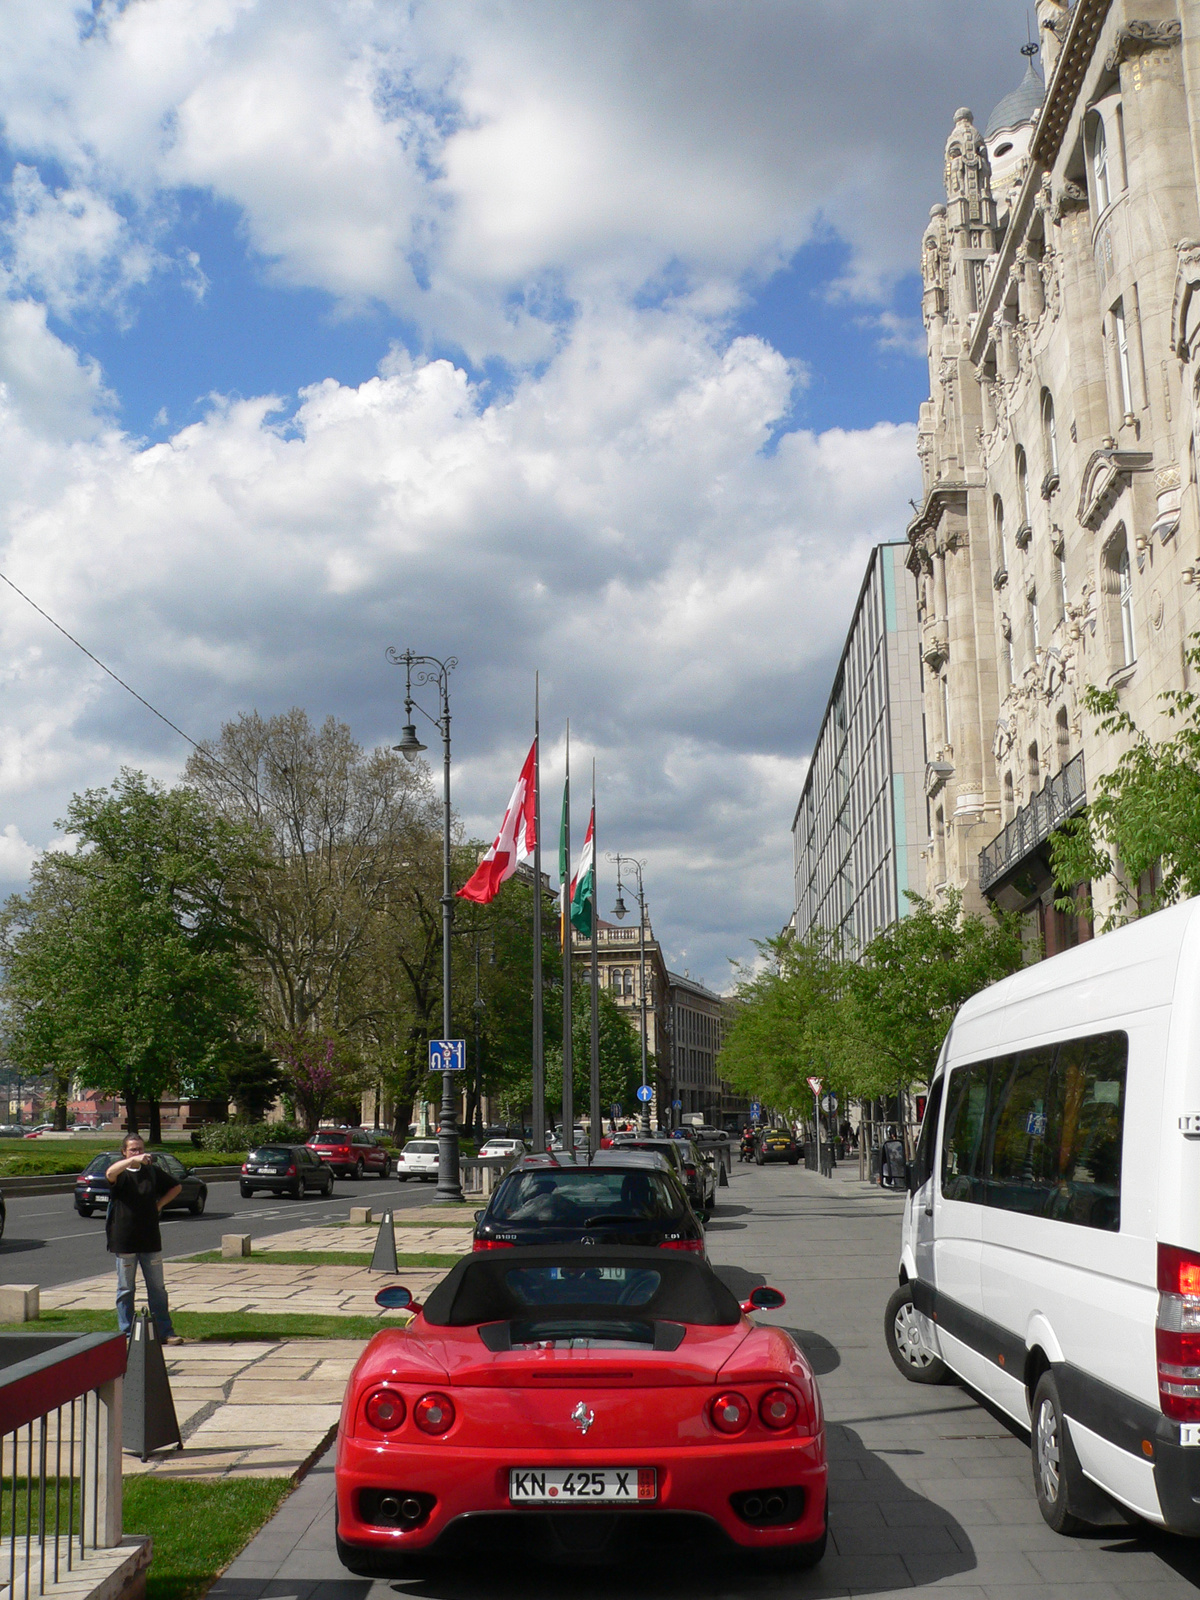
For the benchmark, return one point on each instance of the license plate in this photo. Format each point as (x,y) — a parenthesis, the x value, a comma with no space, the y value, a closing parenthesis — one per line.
(597,1486)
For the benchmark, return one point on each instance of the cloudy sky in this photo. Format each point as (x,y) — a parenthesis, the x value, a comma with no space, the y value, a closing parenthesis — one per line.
(578,335)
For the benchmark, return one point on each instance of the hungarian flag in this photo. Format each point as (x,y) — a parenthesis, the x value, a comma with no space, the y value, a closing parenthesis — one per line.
(583,885)
(514,843)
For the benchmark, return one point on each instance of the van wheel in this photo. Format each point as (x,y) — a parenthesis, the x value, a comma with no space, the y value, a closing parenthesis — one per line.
(907,1348)
(1057,1476)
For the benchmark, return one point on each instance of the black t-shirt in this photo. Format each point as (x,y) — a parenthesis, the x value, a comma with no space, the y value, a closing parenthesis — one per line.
(132,1222)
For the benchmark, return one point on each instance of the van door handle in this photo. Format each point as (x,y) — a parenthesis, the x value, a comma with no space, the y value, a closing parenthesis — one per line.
(929,1207)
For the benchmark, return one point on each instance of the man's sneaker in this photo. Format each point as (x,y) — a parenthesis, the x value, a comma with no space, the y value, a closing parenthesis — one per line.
(172,1338)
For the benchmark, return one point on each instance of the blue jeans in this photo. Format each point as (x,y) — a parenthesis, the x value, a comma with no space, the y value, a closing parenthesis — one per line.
(156,1291)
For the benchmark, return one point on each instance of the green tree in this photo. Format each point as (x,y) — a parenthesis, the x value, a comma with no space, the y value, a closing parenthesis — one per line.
(250,1076)
(121,961)
(620,1053)
(1145,814)
(901,997)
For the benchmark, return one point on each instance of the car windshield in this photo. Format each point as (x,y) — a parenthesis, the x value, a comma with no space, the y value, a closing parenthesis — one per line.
(585,1195)
(270,1152)
(420,1147)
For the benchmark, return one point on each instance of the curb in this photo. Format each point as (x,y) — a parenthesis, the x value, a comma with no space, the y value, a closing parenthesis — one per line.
(64,1183)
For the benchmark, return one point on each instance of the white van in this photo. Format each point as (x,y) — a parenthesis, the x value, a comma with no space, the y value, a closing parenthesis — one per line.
(1051,1247)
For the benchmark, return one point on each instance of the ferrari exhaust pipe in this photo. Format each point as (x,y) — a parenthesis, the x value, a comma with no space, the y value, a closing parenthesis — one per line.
(390,1507)
(774,1505)
(410,1509)
(752,1508)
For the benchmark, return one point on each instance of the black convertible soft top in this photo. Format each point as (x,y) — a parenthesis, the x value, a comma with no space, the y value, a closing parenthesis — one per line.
(671,1286)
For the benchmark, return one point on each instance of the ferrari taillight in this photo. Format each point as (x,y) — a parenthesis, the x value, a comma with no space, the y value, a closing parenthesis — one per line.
(1177,1333)
(696,1245)
(434,1413)
(730,1412)
(385,1410)
(779,1408)
(493,1244)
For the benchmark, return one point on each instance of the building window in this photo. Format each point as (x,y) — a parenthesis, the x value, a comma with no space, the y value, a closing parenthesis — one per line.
(1010,805)
(1100,168)
(1118,601)
(1023,487)
(1063,737)
(998,518)
(1034,769)
(1060,562)
(1035,634)
(1124,372)
(946,734)
(1049,434)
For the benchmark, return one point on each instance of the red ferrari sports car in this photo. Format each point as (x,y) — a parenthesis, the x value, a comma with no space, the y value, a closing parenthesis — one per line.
(586,1390)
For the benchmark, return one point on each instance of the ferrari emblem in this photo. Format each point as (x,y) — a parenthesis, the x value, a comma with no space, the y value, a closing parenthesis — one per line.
(584,1416)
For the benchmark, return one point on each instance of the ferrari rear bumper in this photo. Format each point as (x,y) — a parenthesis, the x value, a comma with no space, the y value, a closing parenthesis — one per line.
(713,1482)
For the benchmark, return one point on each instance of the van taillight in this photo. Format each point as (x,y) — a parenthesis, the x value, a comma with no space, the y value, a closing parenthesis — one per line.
(1177,1333)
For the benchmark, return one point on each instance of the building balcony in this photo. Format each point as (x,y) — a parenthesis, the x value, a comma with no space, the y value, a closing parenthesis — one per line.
(1059,797)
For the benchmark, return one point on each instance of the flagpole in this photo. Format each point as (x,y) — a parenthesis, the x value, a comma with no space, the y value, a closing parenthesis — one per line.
(597,1113)
(538,1115)
(564,864)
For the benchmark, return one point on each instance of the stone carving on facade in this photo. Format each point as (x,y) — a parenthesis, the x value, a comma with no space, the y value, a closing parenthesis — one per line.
(1167,491)
(968,172)
(1135,38)
(1187,281)
(1071,197)
(1107,473)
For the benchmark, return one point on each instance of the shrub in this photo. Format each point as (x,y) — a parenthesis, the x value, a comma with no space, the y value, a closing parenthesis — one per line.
(230,1136)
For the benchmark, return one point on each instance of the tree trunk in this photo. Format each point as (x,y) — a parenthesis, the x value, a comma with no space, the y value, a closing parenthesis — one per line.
(131,1116)
(155,1122)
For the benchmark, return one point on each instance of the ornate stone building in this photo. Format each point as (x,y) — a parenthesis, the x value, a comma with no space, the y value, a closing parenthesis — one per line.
(1058,543)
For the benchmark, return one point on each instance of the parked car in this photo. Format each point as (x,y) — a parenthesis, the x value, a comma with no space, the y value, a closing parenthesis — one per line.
(418,1159)
(777,1144)
(1050,1252)
(619,1197)
(504,1147)
(696,1171)
(351,1152)
(285,1169)
(92,1191)
(477,1414)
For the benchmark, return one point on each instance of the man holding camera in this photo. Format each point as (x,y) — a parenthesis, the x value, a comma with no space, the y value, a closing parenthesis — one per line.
(139,1191)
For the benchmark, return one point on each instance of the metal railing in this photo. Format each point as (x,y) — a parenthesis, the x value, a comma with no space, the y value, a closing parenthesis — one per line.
(60,1455)
(1059,797)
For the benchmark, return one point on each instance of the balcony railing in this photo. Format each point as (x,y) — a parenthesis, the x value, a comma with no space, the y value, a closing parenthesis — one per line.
(1059,797)
(60,1459)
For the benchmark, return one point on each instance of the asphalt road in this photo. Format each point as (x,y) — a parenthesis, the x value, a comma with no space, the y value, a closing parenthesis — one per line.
(47,1242)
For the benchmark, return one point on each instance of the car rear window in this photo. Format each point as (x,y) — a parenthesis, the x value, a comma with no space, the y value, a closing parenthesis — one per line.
(570,1197)
(329,1136)
(99,1165)
(583,1286)
(271,1152)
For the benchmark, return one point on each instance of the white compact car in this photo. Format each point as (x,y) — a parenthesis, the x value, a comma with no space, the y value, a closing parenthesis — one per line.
(1051,1245)
(503,1147)
(418,1159)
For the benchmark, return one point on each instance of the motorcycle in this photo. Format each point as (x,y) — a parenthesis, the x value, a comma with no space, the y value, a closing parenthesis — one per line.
(746,1151)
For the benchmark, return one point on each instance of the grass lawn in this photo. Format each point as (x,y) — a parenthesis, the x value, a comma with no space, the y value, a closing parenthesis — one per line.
(197,1528)
(26,1158)
(326,1258)
(203,1325)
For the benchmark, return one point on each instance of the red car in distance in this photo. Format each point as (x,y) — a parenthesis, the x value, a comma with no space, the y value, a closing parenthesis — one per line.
(351,1152)
(573,1398)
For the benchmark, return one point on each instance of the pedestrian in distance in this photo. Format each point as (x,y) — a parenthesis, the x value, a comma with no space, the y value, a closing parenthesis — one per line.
(138,1191)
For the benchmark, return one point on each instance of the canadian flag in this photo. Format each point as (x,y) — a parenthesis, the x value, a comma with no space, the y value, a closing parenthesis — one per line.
(514,843)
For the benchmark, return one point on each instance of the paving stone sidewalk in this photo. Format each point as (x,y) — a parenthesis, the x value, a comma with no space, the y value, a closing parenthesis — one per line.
(931,1493)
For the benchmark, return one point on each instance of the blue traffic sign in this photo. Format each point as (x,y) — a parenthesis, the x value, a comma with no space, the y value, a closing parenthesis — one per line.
(677,1105)
(447,1055)
(755,1110)
(645,1093)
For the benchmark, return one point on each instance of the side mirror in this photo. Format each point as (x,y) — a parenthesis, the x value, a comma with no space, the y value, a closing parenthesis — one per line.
(764,1299)
(396,1298)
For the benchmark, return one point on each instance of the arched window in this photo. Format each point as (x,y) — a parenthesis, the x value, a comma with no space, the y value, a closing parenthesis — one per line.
(1126,598)
(1035,631)
(1100,170)
(1009,801)
(1063,736)
(1049,434)
(1023,487)
(1117,583)
(1034,768)
(1121,344)
(998,519)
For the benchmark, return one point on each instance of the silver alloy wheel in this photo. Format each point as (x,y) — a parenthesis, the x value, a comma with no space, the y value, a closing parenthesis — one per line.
(909,1342)
(1048,1455)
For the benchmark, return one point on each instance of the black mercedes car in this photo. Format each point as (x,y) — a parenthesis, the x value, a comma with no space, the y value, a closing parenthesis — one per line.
(618,1197)
(91,1186)
(285,1169)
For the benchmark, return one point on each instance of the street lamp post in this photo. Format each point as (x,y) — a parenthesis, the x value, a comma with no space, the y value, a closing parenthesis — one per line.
(431,670)
(629,863)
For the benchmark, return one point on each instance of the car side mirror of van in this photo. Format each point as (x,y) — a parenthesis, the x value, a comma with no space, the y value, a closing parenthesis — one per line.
(396,1298)
(764,1298)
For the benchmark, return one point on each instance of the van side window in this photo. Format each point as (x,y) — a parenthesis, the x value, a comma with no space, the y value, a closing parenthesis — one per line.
(926,1143)
(1055,1123)
(962,1146)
